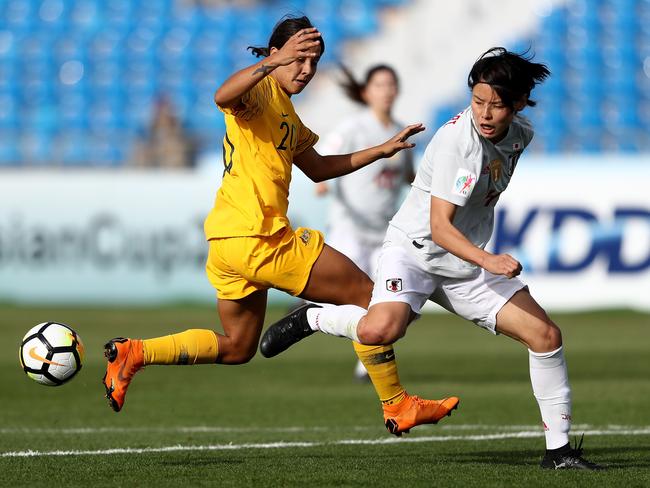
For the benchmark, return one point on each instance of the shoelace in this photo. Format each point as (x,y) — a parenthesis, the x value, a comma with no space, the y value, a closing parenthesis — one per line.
(577,448)
(421,401)
(576,453)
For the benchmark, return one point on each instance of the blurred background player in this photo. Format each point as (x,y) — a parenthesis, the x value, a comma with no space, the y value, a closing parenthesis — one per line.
(435,247)
(252,246)
(363,202)
(165,142)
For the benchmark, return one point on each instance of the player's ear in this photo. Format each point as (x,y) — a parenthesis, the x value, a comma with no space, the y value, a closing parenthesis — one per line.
(273,50)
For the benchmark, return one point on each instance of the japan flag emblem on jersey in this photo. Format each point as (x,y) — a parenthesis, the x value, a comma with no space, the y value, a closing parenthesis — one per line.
(394,284)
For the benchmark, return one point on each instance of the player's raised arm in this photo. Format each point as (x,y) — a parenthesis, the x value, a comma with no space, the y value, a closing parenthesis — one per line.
(320,168)
(229,94)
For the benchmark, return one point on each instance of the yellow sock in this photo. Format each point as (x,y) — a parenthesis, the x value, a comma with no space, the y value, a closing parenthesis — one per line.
(193,346)
(382,369)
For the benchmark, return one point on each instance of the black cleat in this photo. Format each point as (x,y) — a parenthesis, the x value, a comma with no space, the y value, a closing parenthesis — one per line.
(568,458)
(286,332)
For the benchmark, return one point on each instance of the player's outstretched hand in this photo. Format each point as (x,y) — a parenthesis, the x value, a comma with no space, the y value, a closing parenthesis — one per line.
(400,140)
(502,264)
(298,46)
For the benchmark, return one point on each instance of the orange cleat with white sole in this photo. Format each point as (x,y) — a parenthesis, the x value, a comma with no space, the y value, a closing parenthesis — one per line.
(413,410)
(125,358)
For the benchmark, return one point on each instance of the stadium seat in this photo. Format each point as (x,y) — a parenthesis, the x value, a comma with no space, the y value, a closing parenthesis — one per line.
(596,50)
(599,55)
(8,112)
(9,152)
(122,54)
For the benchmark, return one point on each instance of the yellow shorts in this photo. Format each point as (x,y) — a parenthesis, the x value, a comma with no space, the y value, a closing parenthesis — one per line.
(238,266)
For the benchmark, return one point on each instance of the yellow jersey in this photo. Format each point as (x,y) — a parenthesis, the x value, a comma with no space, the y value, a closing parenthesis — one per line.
(263,135)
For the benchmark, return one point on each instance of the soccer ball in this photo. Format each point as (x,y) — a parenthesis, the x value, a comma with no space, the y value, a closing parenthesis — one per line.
(51,353)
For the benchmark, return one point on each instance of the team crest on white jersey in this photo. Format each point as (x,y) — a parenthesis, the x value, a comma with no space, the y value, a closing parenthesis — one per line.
(464,183)
(495,169)
(394,284)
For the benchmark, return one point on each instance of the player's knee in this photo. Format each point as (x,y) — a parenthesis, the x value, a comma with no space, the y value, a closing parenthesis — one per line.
(549,337)
(384,331)
(238,355)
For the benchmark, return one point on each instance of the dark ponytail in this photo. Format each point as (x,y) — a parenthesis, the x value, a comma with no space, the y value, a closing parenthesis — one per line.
(513,76)
(353,89)
(282,31)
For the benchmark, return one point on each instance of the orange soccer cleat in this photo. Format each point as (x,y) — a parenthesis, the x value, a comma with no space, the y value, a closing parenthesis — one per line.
(125,358)
(413,410)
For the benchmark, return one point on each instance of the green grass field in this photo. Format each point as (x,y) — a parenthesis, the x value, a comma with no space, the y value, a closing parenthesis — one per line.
(301,420)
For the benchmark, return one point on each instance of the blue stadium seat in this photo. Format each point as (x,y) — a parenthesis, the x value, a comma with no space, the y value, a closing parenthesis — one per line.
(71,147)
(35,147)
(73,110)
(8,77)
(109,149)
(107,61)
(8,112)
(132,50)
(358,17)
(602,82)
(19,15)
(9,151)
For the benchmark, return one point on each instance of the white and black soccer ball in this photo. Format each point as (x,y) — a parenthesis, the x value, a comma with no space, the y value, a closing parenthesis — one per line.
(51,353)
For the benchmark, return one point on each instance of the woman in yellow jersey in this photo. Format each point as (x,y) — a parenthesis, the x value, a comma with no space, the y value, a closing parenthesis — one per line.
(252,246)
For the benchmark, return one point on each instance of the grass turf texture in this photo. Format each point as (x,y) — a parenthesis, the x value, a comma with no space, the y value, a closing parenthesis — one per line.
(307,395)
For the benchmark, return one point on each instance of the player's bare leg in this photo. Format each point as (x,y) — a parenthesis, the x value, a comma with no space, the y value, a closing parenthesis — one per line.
(525,321)
(242,322)
(336,279)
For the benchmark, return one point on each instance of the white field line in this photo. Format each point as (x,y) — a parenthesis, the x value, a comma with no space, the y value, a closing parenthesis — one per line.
(278,445)
(208,429)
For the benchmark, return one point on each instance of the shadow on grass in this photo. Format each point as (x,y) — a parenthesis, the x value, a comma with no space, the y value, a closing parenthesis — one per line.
(609,457)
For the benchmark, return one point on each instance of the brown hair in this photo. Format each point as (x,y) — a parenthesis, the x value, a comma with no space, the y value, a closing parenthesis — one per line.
(283,30)
(353,89)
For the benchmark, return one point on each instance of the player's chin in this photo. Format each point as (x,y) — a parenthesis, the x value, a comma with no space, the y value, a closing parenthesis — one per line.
(298,86)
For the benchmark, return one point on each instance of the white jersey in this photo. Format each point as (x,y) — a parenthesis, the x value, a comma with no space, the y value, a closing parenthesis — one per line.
(365,200)
(461,167)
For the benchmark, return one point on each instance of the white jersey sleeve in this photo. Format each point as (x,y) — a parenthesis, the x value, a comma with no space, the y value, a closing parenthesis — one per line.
(455,163)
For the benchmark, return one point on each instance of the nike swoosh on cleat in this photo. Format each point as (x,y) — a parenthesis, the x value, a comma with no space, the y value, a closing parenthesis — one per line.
(120,376)
(32,354)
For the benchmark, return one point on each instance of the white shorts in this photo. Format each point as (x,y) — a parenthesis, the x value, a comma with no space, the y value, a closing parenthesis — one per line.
(365,255)
(400,278)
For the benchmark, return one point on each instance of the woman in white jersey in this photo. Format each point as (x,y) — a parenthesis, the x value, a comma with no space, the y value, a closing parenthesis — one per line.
(356,228)
(435,247)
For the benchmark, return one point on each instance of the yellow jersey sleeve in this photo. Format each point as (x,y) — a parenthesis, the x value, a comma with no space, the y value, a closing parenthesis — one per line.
(252,103)
(263,135)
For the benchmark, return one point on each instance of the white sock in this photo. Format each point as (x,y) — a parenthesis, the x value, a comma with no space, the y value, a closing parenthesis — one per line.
(337,320)
(548,375)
